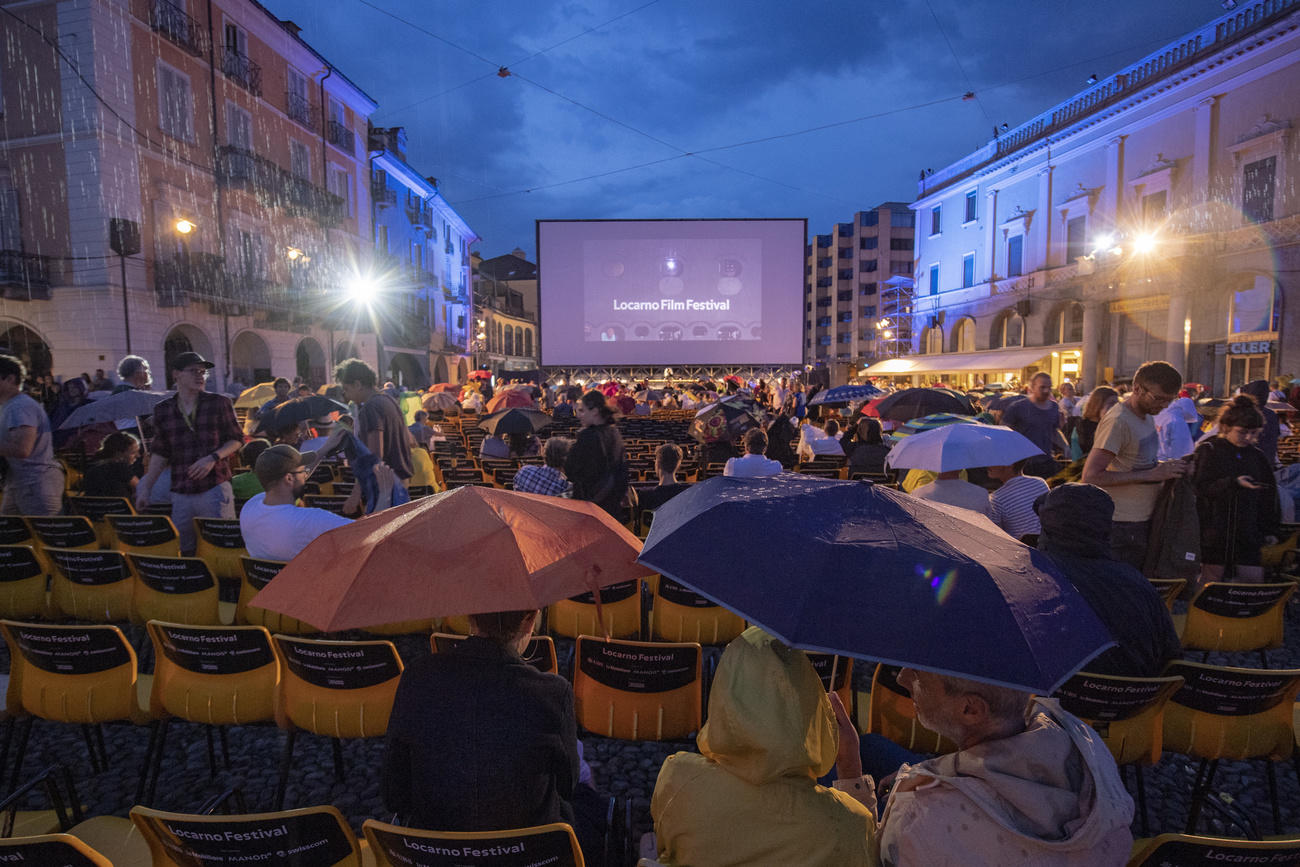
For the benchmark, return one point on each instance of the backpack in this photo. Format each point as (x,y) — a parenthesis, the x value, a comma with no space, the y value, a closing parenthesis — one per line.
(1174,549)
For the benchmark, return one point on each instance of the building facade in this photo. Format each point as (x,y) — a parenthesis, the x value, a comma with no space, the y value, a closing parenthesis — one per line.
(421,269)
(1152,216)
(505,300)
(854,309)
(189,174)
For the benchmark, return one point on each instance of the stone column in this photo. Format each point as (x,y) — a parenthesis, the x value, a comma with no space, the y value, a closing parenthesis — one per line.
(1044,218)
(1204,116)
(1174,353)
(991,234)
(1112,201)
(1090,354)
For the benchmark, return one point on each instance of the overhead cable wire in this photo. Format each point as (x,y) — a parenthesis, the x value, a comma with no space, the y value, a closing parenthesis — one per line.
(970,91)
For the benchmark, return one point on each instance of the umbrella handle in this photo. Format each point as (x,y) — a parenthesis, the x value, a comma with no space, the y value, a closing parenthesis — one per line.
(600,615)
(835,664)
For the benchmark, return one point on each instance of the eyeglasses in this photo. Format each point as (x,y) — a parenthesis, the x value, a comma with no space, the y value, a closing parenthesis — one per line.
(303,470)
(196,371)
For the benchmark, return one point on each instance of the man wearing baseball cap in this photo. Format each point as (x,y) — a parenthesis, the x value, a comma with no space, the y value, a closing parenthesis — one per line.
(195,433)
(276,529)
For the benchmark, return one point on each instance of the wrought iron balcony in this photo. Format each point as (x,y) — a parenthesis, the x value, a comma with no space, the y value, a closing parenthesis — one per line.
(24,276)
(341,137)
(299,108)
(243,71)
(186,278)
(277,188)
(170,21)
(383,194)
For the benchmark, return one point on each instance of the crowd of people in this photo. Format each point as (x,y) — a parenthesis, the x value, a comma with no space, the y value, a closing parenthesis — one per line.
(774,781)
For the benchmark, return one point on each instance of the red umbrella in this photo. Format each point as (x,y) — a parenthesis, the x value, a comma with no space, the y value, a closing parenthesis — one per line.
(610,388)
(472,550)
(443,386)
(510,398)
(869,408)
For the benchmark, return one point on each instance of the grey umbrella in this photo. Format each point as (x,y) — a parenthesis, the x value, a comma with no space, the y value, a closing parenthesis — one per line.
(115,407)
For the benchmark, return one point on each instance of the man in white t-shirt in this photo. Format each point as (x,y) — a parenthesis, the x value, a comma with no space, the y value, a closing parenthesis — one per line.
(276,529)
(949,488)
(754,464)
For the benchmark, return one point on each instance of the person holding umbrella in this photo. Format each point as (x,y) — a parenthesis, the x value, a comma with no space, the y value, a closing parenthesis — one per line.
(596,464)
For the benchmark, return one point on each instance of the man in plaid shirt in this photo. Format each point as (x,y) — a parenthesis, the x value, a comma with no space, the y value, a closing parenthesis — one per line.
(195,433)
(547,479)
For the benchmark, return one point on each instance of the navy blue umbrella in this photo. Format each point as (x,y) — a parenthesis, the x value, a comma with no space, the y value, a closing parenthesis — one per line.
(846,394)
(866,571)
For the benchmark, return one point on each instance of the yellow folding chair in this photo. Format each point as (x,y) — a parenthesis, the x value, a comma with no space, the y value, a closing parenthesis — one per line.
(23,593)
(221,544)
(74,675)
(96,508)
(335,689)
(145,534)
(1128,713)
(555,845)
(255,575)
(1236,617)
(1230,713)
(891,714)
(15,531)
(828,666)
(90,585)
(1169,589)
(678,613)
(315,836)
(64,850)
(539,652)
(68,532)
(214,676)
(176,589)
(634,690)
(1187,849)
(620,605)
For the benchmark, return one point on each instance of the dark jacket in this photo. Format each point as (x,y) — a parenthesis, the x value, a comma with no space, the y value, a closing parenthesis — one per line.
(867,457)
(1272,431)
(779,435)
(480,740)
(596,455)
(1234,520)
(1076,535)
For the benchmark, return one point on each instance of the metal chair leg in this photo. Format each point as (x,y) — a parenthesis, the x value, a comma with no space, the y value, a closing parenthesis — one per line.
(24,735)
(147,763)
(157,759)
(103,748)
(286,761)
(339,775)
(1263,658)
(212,753)
(1142,800)
(1272,795)
(225,746)
(1199,794)
(89,738)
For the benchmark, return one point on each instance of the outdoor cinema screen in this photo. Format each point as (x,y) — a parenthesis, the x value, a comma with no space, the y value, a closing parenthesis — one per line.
(669,292)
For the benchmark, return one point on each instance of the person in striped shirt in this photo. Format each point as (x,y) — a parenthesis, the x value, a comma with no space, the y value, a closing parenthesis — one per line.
(1011,506)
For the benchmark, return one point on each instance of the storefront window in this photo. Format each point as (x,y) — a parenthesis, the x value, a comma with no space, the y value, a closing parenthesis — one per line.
(1256,307)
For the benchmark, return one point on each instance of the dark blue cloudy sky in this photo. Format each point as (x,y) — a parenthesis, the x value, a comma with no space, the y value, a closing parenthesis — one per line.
(607,96)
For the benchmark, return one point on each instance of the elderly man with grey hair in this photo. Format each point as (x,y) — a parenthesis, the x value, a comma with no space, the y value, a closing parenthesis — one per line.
(549,478)
(1029,784)
(134,373)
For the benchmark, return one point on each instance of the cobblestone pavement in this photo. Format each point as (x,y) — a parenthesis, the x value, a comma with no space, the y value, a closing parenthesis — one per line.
(625,769)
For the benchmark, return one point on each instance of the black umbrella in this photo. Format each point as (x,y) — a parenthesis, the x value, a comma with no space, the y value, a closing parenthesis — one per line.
(300,409)
(913,403)
(515,421)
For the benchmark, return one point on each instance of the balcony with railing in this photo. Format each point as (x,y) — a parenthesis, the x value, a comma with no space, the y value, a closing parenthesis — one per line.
(407,331)
(186,278)
(383,195)
(300,109)
(171,21)
(341,137)
(24,276)
(240,69)
(238,168)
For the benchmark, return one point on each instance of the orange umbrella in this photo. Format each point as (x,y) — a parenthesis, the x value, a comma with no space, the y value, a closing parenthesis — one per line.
(443,386)
(471,550)
(510,398)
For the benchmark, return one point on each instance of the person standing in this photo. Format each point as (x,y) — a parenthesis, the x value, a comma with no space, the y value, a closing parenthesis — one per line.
(195,435)
(1236,495)
(134,373)
(1124,459)
(1174,428)
(380,424)
(596,464)
(1039,418)
(34,482)
(282,388)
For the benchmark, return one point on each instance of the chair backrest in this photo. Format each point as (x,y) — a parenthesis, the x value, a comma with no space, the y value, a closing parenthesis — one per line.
(620,605)
(893,715)
(96,508)
(15,531)
(333,503)
(1186,850)
(51,850)
(1231,713)
(175,589)
(218,675)
(22,582)
(826,665)
(145,534)
(678,613)
(63,531)
(1169,589)
(1128,712)
(256,574)
(342,689)
(554,845)
(89,584)
(636,690)
(221,544)
(539,652)
(72,674)
(1234,617)
(310,837)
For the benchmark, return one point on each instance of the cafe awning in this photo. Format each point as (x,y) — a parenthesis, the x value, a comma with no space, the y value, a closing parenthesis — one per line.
(966,362)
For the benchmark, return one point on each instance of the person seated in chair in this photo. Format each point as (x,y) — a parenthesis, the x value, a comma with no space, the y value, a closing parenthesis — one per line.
(753,464)
(750,796)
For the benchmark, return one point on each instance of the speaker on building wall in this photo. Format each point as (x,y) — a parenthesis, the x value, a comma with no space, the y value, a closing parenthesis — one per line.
(1022,307)
(934,321)
(943,314)
(124,236)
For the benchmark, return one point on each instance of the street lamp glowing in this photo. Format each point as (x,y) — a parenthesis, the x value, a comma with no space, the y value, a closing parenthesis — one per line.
(362,290)
(889,334)
(1145,243)
(184,226)
(294,254)
(1104,242)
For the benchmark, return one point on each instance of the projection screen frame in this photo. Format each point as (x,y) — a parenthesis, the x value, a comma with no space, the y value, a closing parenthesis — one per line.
(541,272)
